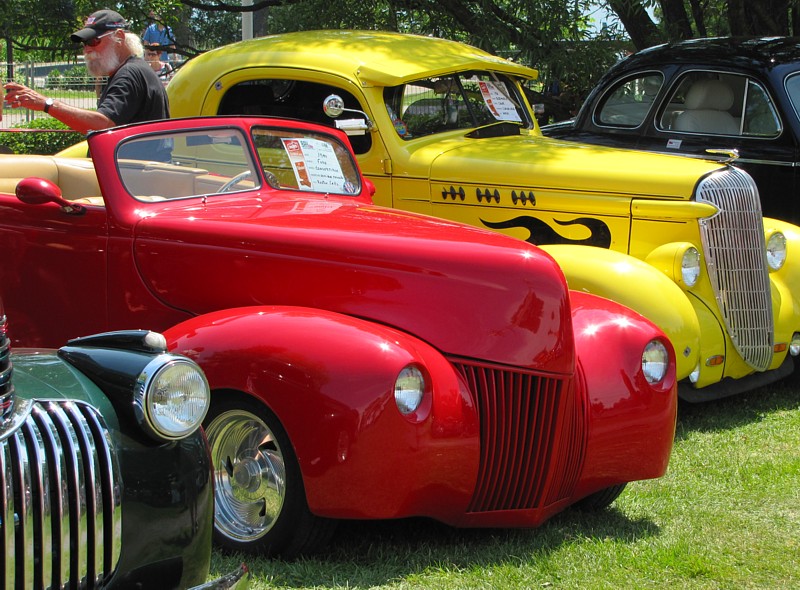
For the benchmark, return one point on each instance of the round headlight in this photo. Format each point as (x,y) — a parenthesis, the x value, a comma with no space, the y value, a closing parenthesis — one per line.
(409,389)
(776,250)
(655,361)
(172,397)
(794,345)
(690,266)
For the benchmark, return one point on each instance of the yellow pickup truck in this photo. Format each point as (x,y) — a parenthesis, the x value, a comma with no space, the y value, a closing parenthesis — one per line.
(445,129)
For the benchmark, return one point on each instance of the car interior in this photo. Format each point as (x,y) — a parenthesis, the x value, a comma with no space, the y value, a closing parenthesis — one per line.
(702,102)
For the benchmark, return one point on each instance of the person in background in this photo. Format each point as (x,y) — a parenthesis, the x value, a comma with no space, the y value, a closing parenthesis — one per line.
(163,69)
(157,33)
(132,93)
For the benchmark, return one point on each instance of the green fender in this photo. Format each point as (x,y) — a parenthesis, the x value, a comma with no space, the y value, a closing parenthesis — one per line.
(639,286)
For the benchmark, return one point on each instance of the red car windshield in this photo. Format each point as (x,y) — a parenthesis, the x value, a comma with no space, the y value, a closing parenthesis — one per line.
(205,162)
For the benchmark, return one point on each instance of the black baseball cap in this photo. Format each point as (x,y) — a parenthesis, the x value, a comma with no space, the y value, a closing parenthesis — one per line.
(98,23)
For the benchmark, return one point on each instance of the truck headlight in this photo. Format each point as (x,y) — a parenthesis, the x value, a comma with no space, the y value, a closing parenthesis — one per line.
(680,261)
(172,397)
(690,266)
(794,345)
(776,250)
(655,361)
(409,389)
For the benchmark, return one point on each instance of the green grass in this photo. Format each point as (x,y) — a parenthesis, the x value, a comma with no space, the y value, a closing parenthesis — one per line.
(725,516)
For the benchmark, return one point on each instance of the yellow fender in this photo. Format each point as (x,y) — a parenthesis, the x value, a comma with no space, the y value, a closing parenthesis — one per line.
(639,286)
(790,273)
(78,150)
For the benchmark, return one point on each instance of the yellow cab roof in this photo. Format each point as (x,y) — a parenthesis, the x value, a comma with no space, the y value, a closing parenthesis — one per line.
(373,58)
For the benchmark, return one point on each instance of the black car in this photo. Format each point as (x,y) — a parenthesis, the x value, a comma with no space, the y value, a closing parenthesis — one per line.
(106,475)
(708,98)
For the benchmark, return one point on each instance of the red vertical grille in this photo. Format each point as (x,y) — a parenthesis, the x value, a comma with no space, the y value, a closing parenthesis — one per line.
(532,438)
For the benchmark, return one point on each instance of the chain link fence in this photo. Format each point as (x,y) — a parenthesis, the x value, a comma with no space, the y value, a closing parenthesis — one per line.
(66,82)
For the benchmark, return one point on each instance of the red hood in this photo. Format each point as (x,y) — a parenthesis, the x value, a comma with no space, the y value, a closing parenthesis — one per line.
(468,292)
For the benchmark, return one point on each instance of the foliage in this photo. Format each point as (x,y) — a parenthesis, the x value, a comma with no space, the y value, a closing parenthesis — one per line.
(679,19)
(53,140)
(554,36)
(76,78)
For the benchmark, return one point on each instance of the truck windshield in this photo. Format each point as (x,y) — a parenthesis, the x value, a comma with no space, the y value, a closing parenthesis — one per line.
(459,101)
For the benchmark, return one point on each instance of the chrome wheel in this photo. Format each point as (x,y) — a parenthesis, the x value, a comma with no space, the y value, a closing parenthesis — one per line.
(249,473)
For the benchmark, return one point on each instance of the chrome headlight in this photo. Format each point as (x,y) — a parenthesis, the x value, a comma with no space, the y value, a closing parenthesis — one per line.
(680,261)
(794,345)
(409,389)
(776,250)
(655,361)
(690,266)
(172,397)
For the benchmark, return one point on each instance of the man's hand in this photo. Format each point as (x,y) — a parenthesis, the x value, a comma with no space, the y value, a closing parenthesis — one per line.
(18,95)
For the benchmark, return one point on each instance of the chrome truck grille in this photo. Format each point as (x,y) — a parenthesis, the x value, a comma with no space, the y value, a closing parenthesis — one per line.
(734,250)
(6,386)
(59,496)
(533,438)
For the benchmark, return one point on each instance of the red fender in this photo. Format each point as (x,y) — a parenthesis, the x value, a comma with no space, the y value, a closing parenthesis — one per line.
(631,423)
(329,378)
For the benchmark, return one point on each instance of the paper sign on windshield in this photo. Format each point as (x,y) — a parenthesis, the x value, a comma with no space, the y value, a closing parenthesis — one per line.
(315,166)
(498,103)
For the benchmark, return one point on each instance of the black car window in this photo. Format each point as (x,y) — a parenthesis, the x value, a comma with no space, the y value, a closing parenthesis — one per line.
(295,99)
(628,103)
(793,90)
(760,117)
(718,103)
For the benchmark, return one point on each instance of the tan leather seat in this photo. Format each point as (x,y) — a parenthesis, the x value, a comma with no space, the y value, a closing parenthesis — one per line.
(707,104)
(76,177)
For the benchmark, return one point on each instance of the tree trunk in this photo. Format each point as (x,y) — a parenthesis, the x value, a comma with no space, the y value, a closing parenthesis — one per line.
(676,20)
(699,18)
(637,22)
(764,18)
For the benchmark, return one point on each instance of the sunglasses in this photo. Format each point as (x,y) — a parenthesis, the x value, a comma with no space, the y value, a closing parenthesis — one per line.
(96,41)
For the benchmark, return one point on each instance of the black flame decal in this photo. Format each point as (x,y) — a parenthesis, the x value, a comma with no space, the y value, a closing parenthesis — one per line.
(541,233)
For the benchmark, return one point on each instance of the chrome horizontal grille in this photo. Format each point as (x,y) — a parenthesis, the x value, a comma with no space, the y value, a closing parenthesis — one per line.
(59,497)
(734,250)
(533,438)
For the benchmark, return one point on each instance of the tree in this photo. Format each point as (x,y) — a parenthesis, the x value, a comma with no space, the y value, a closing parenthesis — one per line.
(688,19)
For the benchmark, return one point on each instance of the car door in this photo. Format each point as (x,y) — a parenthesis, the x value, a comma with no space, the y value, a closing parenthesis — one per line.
(52,259)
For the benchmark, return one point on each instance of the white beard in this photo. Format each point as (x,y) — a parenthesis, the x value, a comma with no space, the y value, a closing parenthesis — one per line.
(102,64)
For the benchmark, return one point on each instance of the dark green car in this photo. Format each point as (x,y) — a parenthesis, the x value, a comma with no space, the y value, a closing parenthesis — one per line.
(106,477)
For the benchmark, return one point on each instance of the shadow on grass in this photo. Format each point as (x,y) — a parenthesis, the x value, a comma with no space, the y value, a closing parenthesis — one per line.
(739,410)
(365,554)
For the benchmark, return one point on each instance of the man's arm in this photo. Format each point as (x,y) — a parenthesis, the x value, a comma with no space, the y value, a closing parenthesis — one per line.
(81,120)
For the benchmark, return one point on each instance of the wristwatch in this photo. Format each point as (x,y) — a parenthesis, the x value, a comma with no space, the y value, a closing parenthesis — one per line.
(47,104)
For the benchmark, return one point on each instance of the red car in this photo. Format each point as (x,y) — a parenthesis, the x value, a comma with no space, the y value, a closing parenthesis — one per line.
(365,363)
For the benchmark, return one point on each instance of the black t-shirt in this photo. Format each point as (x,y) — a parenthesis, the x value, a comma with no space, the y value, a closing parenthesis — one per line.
(134,94)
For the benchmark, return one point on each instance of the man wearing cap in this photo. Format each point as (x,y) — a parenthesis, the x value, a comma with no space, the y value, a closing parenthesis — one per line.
(133,92)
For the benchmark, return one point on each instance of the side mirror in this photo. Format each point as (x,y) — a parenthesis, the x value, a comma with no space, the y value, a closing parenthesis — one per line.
(38,191)
(370,186)
(333,106)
